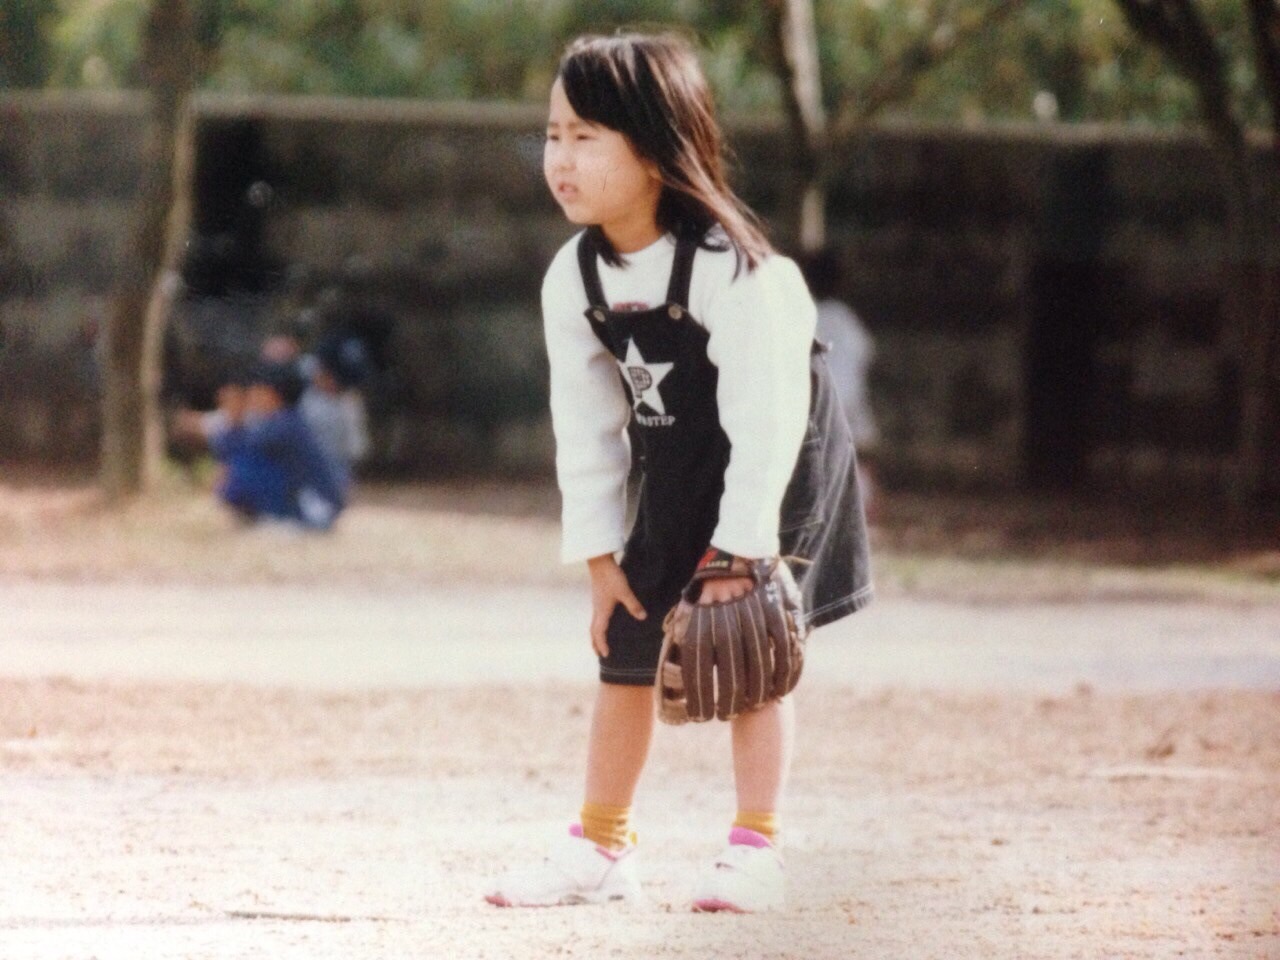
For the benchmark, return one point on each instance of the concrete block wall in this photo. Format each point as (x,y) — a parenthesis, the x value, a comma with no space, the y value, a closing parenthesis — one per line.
(435,214)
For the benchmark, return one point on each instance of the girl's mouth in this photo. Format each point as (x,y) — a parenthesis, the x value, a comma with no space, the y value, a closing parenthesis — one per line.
(566,191)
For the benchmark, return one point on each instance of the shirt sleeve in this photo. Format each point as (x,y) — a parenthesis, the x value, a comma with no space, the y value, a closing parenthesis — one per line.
(761,329)
(589,414)
(213,423)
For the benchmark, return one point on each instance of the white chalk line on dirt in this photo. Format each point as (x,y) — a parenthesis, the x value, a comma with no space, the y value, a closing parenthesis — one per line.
(222,917)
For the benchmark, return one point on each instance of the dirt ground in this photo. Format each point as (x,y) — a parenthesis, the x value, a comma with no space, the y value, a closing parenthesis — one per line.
(223,744)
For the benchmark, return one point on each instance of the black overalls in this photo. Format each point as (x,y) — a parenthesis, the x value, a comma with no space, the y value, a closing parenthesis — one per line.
(683,453)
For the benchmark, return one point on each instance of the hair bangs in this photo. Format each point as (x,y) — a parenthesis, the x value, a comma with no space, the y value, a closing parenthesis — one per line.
(597,85)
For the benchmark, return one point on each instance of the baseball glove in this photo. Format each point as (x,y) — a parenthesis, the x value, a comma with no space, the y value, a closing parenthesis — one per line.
(719,660)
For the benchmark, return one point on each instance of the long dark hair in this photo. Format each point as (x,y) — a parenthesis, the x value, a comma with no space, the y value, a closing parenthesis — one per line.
(651,89)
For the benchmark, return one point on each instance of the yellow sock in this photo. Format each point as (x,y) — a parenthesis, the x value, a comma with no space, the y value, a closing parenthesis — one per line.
(763,822)
(609,827)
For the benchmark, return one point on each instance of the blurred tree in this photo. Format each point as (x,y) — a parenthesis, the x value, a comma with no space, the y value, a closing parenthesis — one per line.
(1068,59)
(97,45)
(1181,31)
(1264,23)
(790,38)
(792,43)
(378,48)
(132,439)
(1074,60)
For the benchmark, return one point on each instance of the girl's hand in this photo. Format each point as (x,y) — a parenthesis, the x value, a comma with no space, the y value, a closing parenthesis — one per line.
(719,586)
(724,589)
(609,587)
(188,424)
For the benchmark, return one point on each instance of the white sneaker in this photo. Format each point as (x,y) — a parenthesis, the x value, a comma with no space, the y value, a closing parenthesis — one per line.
(747,877)
(575,870)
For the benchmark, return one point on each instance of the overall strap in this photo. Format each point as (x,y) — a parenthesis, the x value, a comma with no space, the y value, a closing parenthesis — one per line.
(677,289)
(682,271)
(590,271)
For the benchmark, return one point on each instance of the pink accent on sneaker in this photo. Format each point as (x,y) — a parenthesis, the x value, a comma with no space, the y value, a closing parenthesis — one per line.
(575,830)
(741,836)
(712,905)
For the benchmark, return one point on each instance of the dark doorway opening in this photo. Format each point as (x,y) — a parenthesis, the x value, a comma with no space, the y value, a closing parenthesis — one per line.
(1072,290)
(233,192)
(217,327)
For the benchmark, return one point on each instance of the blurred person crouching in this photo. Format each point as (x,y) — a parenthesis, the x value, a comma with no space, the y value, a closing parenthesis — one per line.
(272,467)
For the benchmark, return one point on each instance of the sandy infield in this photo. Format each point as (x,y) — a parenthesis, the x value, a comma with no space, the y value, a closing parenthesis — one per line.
(282,758)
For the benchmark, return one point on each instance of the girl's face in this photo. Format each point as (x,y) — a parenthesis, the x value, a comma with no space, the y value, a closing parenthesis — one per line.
(598,179)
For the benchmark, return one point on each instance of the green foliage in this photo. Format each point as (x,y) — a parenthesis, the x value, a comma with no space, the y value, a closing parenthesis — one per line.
(368,48)
(97,44)
(1074,59)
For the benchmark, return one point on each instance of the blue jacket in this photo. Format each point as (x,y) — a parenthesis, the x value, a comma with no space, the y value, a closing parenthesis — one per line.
(275,468)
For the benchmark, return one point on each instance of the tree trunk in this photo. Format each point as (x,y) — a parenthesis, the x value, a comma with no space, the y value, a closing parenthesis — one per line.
(1178,29)
(1264,27)
(793,45)
(132,434)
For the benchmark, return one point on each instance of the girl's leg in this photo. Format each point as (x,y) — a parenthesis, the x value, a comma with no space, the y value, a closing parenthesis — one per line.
(621,731)
(762,746)
(603,869)
(748,876)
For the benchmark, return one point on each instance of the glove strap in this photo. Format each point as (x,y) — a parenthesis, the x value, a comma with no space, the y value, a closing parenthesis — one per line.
(716,564)
(719,563)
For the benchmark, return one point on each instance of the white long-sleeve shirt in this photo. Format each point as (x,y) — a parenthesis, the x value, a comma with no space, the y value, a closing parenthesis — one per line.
(760,326)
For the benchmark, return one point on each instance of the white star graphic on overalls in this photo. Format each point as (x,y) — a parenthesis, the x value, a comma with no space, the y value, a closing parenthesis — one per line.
(644,378)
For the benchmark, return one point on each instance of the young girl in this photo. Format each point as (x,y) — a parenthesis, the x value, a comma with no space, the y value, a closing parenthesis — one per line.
(742,445)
